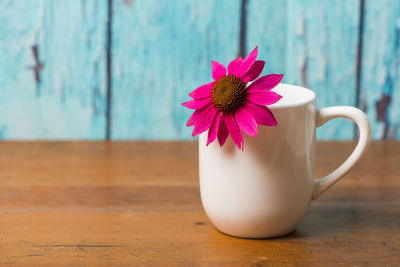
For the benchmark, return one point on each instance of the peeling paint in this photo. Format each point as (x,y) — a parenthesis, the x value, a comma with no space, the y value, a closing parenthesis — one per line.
(38,67)
(301,26)
(67,46)
(146,94)
(96,94)
(304,71)
(382,113)
(128,3)
(364,105)
(380,66)
(304,57)
(46,93)
(271,40)
(381,108)
(321,55)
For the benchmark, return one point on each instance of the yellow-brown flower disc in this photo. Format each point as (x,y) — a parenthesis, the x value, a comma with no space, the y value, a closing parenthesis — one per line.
(228,93)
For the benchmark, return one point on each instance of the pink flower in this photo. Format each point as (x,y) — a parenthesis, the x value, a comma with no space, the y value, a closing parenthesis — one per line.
(227,105)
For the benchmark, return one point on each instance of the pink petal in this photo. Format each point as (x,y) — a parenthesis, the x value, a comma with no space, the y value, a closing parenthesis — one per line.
(218,70)
(263,97)
(196,104)
(212,133)
(222,131)
(234,66)
(247,62)
(198,113)
(254,71)
(202,92)
(246,122)
(261,114)
(205,121)
(266,82)
(234,130)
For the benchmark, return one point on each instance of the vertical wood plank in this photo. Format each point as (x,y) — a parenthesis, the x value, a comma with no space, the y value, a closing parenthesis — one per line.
(380,84)
(162,50)
(322,55)
(62,42)
(266,27)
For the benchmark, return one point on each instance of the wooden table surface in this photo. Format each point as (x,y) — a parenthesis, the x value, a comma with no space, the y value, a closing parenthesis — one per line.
(138,203)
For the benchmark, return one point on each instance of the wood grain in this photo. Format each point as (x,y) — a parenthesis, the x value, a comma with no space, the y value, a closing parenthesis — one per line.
(321,55)
(137,203)
(380,69)
(53,74)
(162,50)
(266,28)
(52,69)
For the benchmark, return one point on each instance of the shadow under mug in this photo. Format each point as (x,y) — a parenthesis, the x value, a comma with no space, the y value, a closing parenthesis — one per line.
(265,190)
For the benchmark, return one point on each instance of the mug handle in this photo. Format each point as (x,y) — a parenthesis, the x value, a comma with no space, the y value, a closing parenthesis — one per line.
(326,114)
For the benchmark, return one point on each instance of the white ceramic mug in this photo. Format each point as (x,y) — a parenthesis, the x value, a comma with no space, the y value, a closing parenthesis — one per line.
(265,190)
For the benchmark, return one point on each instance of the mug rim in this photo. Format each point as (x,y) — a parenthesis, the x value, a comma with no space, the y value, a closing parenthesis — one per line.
(298,96)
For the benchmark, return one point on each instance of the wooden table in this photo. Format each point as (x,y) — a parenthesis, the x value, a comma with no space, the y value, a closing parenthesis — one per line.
(137,203)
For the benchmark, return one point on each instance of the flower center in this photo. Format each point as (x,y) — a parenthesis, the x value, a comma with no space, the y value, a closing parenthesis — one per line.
(228,93)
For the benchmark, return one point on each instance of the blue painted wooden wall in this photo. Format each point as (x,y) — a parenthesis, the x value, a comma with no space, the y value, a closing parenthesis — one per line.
(119,69)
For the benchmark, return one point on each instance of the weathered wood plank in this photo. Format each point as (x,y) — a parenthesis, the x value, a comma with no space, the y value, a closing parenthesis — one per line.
(266,27)
(321,55)
(380,84)
(162,50)
(126,164)
(328,236)
(126,203)
(52,58)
